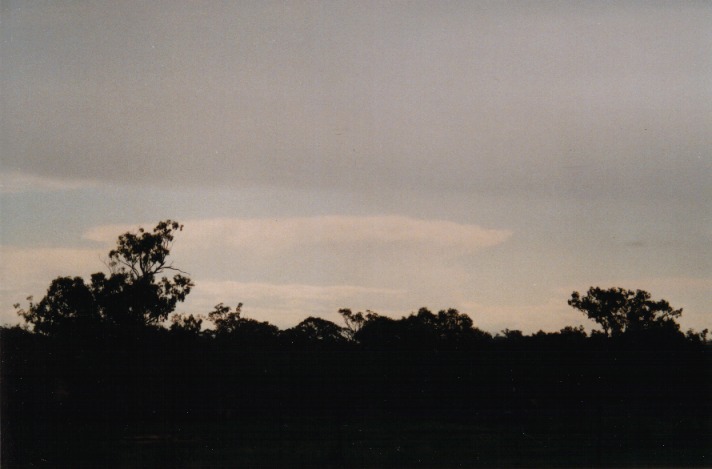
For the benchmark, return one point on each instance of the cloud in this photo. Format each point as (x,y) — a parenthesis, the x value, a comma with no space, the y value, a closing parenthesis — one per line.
(14,182)
(289,232)
(469,97)
(274,236)
(383,251)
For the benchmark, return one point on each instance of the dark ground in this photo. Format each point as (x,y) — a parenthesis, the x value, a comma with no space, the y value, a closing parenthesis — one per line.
(169,402)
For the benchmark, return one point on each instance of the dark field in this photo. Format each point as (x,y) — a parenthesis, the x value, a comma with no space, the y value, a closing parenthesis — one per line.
(163,401)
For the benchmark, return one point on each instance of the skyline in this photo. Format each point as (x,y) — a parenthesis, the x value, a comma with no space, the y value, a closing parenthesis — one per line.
(487,156)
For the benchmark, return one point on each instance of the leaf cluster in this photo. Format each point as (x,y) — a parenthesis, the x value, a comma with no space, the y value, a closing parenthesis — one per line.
(131,295)
(619,311)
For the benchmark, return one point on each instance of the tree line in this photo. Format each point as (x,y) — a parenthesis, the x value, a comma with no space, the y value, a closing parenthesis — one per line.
(137,293)
(104,373)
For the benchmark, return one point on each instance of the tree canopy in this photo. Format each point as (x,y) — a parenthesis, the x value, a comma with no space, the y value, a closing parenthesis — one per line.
(619,311)
(132,294)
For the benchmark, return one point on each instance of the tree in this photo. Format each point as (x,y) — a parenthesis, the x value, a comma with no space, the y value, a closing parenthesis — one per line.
(453,326)
(448,329)
(380,331)
(513,335)
(68,305)
(187,324)
(355,321)
(231,325)
(226,321)
(315,331)
(131,295)
(619,311)
(135,264)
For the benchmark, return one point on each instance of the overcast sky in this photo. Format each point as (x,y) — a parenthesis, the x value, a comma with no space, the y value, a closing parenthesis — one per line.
(487,156)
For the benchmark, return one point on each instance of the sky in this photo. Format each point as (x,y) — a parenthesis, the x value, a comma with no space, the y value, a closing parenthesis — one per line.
(487,156)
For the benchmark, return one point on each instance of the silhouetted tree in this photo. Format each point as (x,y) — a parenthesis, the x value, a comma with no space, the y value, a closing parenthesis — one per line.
(574,332)
(131,295)
(448,329)
(229,324)
(315,331)
(426,329)
(697,337)
(620,311)
(455,329)
(419,329)
(187,324)
(69,305)
(514,335)
(355,321)
(135,264)
(225,319)
(380,331)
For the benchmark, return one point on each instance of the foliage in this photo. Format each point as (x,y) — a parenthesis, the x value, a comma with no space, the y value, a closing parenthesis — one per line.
(135,265)
(315,331)
(381,331)
(573,332)
(69,304)
(512,334)
(131,295)
(697,337)
(448,329)
(620,311)
(355,321)
(225,319)
(188,324)
(230,324)
(144,254)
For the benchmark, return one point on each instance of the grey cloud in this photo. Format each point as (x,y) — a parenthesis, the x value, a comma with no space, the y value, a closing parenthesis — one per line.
(469,97)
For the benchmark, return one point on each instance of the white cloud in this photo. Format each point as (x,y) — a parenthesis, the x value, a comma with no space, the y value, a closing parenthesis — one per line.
(13,182)
(286,250)
(288,233)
